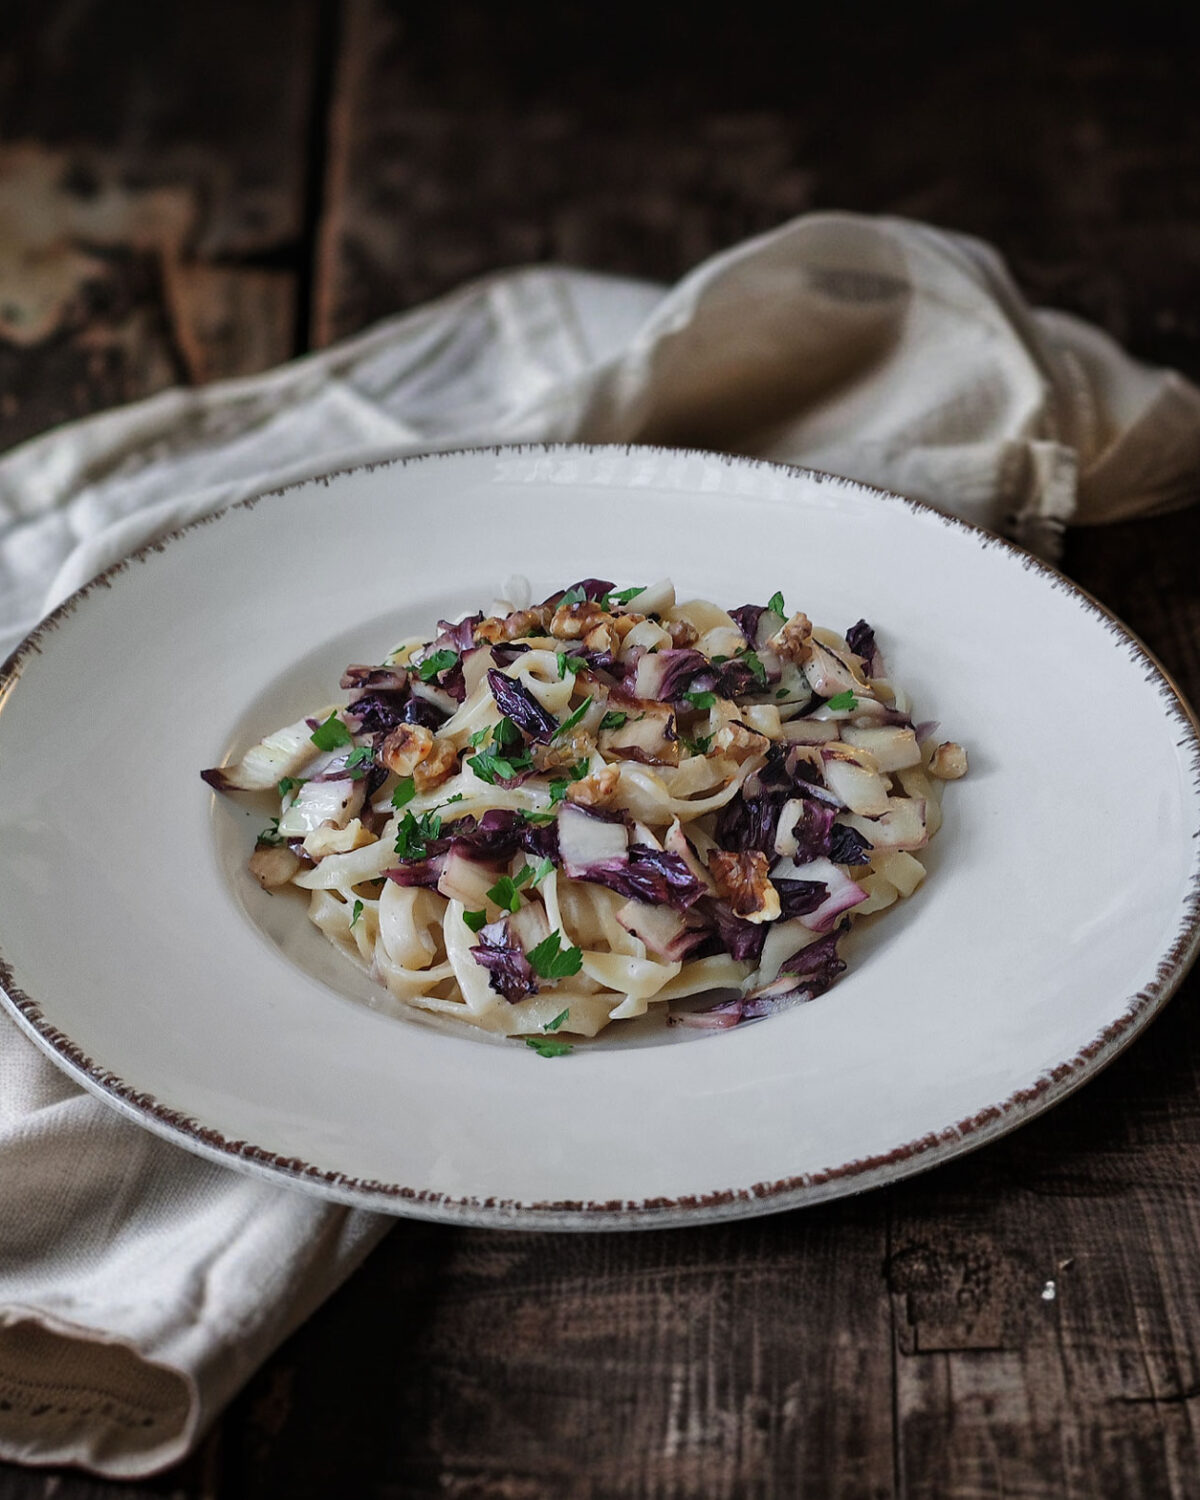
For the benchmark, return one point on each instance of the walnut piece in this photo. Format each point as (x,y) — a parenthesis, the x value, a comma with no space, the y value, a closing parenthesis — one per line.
(571,621)
(438,765)
(743,881)
(682,632)
(596,789)
(949,762)
(793,641)
(514,626)
(404,749)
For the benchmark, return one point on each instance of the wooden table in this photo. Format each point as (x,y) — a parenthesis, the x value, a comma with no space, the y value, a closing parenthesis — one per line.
(195,192)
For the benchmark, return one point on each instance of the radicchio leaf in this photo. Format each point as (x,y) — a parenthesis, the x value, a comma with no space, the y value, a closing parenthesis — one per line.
(517,703)
(460,637)
(799,897)
(747,617)
(846,847)
(509,971)
(652,875)
(427,871)
(593,588)
(499,834)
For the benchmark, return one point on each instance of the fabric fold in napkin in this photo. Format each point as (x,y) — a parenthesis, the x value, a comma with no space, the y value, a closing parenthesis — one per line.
(141,1286)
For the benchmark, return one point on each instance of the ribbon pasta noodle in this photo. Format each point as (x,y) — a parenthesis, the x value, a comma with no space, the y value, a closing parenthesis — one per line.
(554,817)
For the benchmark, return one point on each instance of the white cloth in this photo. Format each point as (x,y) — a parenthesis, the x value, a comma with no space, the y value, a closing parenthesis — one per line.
(139,1286)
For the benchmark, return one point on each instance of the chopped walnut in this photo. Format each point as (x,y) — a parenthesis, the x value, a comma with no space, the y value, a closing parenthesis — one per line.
(682,632)
(604,638)
(404,749)
(438,765)
(793,641)
(738,742)
(273,867)
(596,789)
(949,762)
(571,621)
(624,623)
(562,752)
(743,881)
(514,626)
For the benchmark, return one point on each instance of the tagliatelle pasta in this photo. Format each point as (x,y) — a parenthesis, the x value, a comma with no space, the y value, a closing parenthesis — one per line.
(555,817)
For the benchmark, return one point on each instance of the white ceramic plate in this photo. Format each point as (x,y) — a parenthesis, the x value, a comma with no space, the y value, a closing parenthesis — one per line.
(1059,912)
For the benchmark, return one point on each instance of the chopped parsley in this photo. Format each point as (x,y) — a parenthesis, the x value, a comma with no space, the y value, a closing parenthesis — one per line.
(498,762)
(406,790)
(331,734)
(433,666)
(845,700)
(356,913)
(475,919)
(549,963)
(413,835)
(506,893)
(479,736)
(700,745)
(701,700)
(751,659)
(289,784)
(613,719)
(621,596)
(776,605)
(570,723)
(270,838)
(358,760)
(568,662)
(506,733)
(781,692)
(573,596)
(458,796)
(536,817)
(557,1021)
(549,1046)
(546,867)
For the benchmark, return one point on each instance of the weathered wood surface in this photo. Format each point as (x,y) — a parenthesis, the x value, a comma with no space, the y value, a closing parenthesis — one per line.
(229,186)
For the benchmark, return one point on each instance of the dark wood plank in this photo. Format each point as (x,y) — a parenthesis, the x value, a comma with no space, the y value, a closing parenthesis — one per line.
(150,159)
(470,137)
(743,1362)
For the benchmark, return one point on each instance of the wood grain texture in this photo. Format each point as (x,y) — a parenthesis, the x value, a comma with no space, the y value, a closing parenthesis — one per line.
(148,163)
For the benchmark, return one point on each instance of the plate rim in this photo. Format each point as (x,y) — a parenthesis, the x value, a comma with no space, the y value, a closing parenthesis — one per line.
(859,1175)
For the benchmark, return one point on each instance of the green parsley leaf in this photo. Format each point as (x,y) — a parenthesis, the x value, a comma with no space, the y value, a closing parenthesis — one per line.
(776,605)
(433,666)
(546,867)
(537,817)
(701,700)
(289,784)
(699,746)
(506,893)
(413,835)
(718,661)
(845,700)
(331,734)
(569,663)
(506,733)
(623,596)
(752,661)
(781,692)
(570,723)
(475,919)
(406,790)
(357,912)
(491,766)
(358,760)
(549,1046)
(613,719)
(458,797)
(573,596)
(479,736)
(270,838)
(557,1021)
(549,963)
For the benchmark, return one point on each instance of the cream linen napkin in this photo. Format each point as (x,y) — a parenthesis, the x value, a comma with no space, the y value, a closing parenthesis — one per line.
(139,1287)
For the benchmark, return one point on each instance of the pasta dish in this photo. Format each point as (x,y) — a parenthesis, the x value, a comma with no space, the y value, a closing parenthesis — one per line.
(555,816)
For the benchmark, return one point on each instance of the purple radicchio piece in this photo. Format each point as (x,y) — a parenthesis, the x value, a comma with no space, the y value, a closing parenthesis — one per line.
(747,617)
(812,830)
(509,971)
(460,637)
(799,897)
(499,833)
(861,640)
(591,588)
(740,939)
(504,653)
(652,875)
(804,976)
(667,675)
(426,872)
(375,679)
(846,847)
(517,703)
